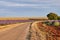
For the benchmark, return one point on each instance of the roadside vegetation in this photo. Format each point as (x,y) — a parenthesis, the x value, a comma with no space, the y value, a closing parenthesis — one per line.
(53,16)
(53,20)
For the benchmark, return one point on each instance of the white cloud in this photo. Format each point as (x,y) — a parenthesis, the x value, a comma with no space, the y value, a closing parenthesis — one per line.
(48,5)
(54,2)
(38,0)
(4,3)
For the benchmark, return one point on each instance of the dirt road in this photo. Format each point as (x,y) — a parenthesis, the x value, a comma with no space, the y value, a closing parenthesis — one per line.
(17,33)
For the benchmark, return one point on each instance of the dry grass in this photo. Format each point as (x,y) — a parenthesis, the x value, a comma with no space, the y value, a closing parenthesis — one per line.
(23,18)
(13,18)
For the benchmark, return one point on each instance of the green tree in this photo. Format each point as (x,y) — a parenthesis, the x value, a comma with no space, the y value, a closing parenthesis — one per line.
(52,16)
(58,17)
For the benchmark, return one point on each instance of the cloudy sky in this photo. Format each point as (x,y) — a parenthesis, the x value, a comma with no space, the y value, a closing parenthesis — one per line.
(28,8)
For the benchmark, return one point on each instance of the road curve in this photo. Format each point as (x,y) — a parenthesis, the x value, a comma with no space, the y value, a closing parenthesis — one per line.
(16,33)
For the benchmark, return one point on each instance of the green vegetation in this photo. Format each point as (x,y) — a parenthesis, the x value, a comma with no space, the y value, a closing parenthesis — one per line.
(53,16)
(58,17)
(54,20)
(48,23)
(53,23)
(56,23)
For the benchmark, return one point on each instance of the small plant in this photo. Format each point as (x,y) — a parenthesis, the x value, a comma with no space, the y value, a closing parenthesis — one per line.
(48,23)
(56,23)
(52,23)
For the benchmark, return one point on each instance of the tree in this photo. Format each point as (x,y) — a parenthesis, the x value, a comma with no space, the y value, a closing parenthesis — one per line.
(52,16)
(58,17)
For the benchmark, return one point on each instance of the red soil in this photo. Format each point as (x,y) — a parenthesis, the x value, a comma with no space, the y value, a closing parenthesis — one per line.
(54,30)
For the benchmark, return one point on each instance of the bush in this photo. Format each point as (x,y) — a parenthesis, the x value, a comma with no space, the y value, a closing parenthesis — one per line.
(58,17)
(48,23)
(52,16)
(56,23)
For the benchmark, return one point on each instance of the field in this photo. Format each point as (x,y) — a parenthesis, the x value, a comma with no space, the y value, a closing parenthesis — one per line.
(34,29)
(19,20)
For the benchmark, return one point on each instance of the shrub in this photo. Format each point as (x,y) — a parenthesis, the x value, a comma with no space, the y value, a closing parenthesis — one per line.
(52,16)
(58,17)
(48,22)
(56,23)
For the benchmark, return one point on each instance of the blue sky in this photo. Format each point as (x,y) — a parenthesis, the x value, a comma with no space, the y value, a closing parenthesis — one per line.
(28,8)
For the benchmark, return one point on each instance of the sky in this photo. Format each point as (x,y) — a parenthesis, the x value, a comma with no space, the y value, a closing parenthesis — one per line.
(28,8)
